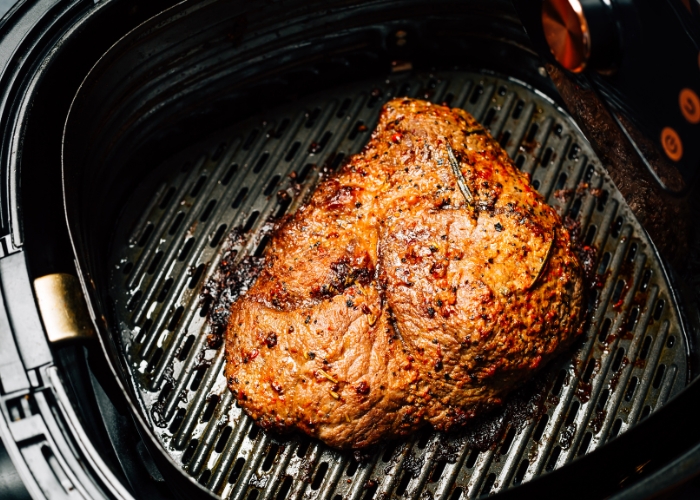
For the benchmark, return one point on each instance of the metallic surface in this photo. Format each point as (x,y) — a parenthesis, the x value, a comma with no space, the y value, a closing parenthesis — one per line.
(566,31)
(631,360)
(63,308)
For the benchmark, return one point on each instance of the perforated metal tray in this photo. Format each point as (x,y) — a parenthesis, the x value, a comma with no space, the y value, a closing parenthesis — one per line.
(633,357)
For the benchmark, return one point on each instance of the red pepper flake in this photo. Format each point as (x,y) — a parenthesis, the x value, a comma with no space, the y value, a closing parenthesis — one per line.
(396,137)
(253,354)
(276,387)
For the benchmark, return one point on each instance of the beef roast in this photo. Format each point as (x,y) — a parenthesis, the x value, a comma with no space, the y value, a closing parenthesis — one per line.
(419,285)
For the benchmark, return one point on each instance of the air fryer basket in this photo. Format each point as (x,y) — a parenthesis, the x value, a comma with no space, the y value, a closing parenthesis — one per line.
(171,147)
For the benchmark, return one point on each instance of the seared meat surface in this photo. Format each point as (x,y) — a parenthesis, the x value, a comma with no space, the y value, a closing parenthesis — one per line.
(396,298)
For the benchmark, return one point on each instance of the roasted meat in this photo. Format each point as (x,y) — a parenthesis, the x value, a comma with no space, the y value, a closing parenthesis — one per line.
(419,285)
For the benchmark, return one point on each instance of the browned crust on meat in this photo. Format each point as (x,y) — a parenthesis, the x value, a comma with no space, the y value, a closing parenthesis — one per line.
(389,301)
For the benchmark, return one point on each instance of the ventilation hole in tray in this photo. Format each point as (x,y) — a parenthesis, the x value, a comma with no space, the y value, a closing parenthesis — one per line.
(146,235)
(590,234)
(602,400)
(270,457)
(143,331)
(552,463)
(574,151)
(471,460)
(447,100)
(344,106)
(281,128)
(198,186)
(558,129)
(645,348)
(671,341)
(478,92)
(251,139)
(631,388)
(207,211)
(404,90)
(166,199)
(352,468)
(502,90)
(659,309)
(437,471)
(217,236)
(617,362)
(602,200)
(134,300)
(575,208)
(490,115)
(532,133)
(456,494)
(615,428)
(604,261)
(127,268)
(520,474)
(616,227)
(237,469)
(271,185)
(292,151)
(186,249)
(619,287)
(659,376)
(632,253)
(505,137)
(590,170)
(359,127)
(541,426)
(303,447)
(320,474)
(518,110)
(370,489)
(197,275)
(283,205)
(176,223)
(589,370)
(197,379)
(261,162)
(508,441)
(164,291)
(154,263)
(644,284)
(604,330)
(253,495)
(403,483)
(261,247)
(304,173)
(559,383)
(562,181)
(284,488)
(154,360)
(312,117)
(547,157)
(254,431)
(520,161)
(209,410)
(585,442)
(229,174)
(317,147)
(177,315)
(177,420)
(223,439)
(337,160)
(251,221)
(239,198)
(488,484)
(572,413)
(204,478)
(388,453)
(423,441)
(536,184)
(632,320)
(645,412)
(189,451)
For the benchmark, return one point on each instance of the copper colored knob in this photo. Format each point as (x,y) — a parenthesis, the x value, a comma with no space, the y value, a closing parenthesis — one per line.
(567,33)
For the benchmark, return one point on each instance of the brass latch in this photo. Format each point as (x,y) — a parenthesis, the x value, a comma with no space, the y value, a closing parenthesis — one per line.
(63,308)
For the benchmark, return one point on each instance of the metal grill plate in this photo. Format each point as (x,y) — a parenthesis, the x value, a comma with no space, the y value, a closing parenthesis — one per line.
(631,360)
